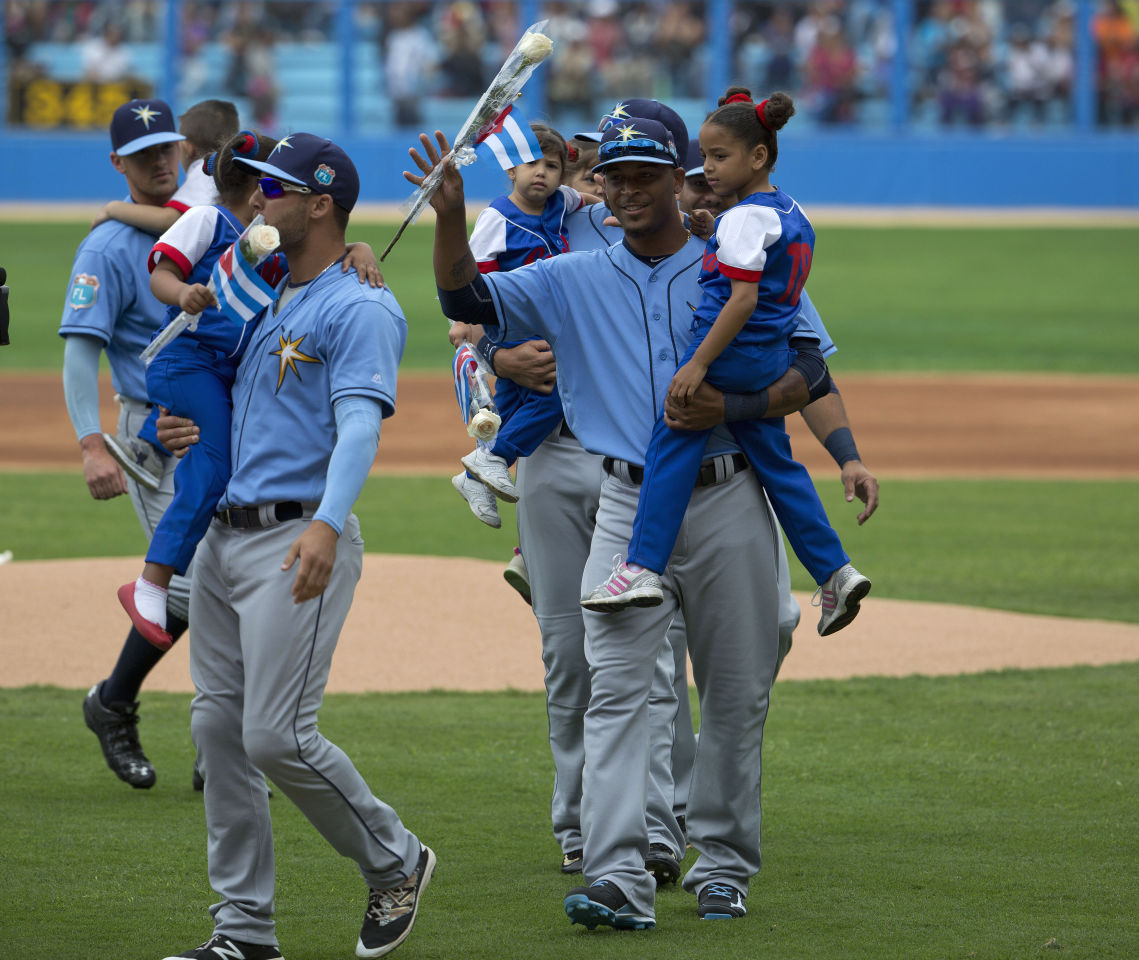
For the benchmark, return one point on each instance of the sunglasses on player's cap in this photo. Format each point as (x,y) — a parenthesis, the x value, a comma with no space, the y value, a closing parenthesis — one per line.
(139,124)
(636,139)
(314,163)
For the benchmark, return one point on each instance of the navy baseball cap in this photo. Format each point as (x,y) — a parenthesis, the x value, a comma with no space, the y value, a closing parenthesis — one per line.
(694,162)
(649,110)
(139,124)
(315,162)
(645,141)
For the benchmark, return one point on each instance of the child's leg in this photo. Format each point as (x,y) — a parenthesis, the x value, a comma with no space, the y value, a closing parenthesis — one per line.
(531,422)
(792,495)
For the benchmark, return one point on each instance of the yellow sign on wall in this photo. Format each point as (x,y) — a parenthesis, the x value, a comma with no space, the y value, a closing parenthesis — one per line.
(46,104)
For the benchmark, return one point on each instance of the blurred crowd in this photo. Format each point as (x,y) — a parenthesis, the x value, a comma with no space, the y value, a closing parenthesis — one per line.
(971,63)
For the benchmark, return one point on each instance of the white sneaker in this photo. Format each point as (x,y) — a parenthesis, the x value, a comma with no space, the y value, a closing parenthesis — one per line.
(138,460)
(479,497)
(516,575)
(625,589)
(493,471)
(840,598)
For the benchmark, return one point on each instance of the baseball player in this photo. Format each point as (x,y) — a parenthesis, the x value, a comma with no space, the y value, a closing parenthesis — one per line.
(612,373)
(279,565)
(109,307)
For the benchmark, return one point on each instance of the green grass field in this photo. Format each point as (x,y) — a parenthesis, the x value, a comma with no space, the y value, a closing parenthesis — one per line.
(989,816)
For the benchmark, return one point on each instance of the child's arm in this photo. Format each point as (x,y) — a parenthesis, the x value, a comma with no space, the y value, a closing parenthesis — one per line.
(733,315)
(362,259)
(167,285)
(153,220)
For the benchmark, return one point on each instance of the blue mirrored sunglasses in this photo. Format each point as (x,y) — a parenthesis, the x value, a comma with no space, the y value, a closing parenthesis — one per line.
(640,146)
(273,189)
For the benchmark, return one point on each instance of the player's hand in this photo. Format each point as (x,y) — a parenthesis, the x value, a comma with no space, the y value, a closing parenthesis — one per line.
(448,197)
(316,549)
(530,364)
(101,472)
(859,482)
(362,259)
(176,434)
(702,223)
(458,333)
(195,297)
(704,410)
(684,383)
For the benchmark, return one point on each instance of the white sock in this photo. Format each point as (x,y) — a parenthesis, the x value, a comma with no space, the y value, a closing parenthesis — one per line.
(150,601)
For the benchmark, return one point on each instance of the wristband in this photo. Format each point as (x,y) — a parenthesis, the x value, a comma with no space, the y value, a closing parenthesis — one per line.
(840,445)
(488,348)
(745,406)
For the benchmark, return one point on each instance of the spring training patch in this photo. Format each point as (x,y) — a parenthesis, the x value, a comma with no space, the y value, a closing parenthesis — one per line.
(84,291)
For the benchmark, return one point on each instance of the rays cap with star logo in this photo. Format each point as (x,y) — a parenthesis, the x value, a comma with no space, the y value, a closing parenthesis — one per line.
(647,109)
(139,124)
(639,140)
(315,162)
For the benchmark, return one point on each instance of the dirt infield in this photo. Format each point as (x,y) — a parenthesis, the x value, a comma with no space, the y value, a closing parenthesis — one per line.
(977,425)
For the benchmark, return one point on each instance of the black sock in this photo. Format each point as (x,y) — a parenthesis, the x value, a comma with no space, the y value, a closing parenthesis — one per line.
(137,658)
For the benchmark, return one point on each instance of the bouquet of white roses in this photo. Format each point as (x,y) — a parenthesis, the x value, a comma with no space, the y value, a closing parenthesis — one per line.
(531,49)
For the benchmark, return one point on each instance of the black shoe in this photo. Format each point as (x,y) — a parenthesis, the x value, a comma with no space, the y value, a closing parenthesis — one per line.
(604,904)
(662,864)
(116,727)
(572,861)
(681,821)
(197,781)
(223,948)
(391,913)
(721,901)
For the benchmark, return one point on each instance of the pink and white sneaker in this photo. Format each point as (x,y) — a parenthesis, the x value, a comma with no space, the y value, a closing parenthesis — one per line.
(840,598)
(625,588)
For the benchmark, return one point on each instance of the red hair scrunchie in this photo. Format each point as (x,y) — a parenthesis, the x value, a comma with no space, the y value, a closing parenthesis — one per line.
(759,113)
(744,98)
(246,145)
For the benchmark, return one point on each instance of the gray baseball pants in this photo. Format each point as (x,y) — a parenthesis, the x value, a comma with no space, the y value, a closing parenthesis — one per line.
(260,664)
(151,504)
(723,573)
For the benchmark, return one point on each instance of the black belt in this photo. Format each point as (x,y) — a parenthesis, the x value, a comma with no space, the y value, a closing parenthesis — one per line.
(258,517)
(565,431)
(705,478)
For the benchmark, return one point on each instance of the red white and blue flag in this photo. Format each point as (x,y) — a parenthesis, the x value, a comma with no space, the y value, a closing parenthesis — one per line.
(509,139)
(241,292)
(465,368)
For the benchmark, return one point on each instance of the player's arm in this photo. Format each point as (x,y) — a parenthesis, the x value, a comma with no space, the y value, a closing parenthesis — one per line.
(728,323)
(828,421)
(153,220)
(103,476)
(530,364)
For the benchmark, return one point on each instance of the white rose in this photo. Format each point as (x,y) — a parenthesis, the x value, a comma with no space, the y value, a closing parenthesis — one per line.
(535,47)
(484,425)
(262,240)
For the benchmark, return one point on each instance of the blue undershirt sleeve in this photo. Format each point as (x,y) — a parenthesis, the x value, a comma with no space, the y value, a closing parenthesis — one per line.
(357,438)
(81,383)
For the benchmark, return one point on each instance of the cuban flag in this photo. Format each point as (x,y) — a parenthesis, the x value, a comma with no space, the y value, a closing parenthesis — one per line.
(241,292)
(465,368)
(509,139)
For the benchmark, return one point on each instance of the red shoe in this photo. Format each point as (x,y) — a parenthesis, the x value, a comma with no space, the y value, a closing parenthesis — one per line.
(153,633)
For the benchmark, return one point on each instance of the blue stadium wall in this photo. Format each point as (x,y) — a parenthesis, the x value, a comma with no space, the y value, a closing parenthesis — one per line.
(965,170)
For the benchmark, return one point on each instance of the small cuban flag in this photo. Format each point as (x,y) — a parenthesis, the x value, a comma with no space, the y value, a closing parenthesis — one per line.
(241,292)
(509,139)
(464,367)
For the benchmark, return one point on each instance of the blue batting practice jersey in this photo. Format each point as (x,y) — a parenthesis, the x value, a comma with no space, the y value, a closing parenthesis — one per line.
(109,298)
(586,228)
(765,239)
(335,338)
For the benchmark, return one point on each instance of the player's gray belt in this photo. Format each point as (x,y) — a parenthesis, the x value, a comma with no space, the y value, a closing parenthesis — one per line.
(266,515)
(712,471)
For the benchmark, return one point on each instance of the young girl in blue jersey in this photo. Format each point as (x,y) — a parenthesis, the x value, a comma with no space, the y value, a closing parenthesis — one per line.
(517,228)
(755,267)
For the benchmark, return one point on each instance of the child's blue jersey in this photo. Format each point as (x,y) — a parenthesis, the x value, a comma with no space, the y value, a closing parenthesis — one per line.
(764,239)
(505,237)
(194,243)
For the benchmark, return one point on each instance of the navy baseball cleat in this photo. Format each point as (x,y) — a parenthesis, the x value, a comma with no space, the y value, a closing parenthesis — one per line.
(116,726)
(391,913)
(223,948)
(721,901)
(603,904)
(662,864)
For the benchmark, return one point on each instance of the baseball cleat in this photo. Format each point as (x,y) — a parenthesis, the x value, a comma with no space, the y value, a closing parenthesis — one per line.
(572,861)
(624,588)
(151,631)
(720,901)
(116,727)
(223,948)
(137,460)
(840,598)
(515,574)
(603,904)
(479,499)
(391,913)
(662,864)
(493,471)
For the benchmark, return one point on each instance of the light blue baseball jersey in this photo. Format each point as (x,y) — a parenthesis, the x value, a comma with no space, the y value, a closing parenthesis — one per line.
(585,228)
(109,298)
(335,338)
